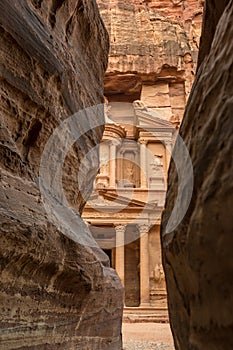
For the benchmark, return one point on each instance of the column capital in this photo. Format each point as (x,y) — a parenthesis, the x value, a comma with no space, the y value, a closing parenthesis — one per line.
(120,228)
(115,142)
(143,228)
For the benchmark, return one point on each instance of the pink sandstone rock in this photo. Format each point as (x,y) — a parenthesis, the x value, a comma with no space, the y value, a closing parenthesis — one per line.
(153,40)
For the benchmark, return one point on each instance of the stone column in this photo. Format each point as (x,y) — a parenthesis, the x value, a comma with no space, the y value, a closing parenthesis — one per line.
(143,163)
(112,172)
(144,265)
(120,251)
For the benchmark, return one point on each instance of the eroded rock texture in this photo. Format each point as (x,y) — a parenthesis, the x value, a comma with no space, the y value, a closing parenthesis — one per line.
(198,253)
(153,52)
(54,293)
(145,35)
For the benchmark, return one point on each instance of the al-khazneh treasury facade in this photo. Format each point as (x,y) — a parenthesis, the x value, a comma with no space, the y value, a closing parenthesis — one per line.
(125,208)
(152,62)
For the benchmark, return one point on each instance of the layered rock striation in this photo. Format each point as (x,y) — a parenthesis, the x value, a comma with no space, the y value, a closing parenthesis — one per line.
(55,293)
(153,52)
(197,255)
(147,35)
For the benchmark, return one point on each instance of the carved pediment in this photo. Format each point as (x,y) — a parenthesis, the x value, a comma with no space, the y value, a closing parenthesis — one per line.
(112,199)
(152,120)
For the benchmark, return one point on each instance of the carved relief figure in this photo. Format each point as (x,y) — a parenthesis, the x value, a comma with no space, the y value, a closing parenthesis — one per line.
(130,172)
(156,164)
(158,273)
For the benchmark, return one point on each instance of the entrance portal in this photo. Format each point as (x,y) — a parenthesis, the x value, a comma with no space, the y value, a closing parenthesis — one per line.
(109,253)
(132,272)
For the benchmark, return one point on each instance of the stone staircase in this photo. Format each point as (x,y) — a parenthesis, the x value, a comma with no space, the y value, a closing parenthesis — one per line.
(145,314)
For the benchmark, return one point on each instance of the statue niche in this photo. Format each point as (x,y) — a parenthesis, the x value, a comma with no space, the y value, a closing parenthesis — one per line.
(129,170)
(158,274)
(156,174)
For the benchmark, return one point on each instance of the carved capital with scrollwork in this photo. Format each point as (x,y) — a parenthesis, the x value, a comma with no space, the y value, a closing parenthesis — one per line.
(143,228)
(120,229)
(115,142)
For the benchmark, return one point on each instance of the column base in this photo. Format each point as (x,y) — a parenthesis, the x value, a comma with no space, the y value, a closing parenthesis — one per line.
(145,305)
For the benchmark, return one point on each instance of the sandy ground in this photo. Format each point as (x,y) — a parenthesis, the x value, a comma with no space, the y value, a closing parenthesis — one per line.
(147,336)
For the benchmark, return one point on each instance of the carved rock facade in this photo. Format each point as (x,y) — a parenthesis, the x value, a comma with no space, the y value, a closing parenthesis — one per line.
(198,253)
(124,211)
(54,293)
(152,63)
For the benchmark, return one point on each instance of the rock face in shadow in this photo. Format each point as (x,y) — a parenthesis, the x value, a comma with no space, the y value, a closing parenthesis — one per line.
(55,293)
(197,255)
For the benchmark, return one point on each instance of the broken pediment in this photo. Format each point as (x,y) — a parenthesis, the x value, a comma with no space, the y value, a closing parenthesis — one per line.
(151,119)
(112,199)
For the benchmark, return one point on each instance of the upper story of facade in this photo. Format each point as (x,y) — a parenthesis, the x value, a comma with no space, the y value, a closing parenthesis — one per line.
(135,150)
(135,153)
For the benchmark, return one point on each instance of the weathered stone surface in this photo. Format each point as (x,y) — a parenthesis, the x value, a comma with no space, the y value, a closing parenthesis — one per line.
(154,45)
(198,253)
(154,40)
(213,12)
(54,293)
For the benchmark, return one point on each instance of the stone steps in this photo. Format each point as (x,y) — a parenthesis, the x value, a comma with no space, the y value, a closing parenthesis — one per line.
(145,314)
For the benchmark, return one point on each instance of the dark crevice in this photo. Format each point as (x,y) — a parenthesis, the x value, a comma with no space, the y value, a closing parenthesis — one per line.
(56,5)
(80,6)
(33,133)
(83,23)
(37,3)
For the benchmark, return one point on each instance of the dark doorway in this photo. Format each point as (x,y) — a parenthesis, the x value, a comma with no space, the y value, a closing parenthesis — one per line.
(108,252)
(132,274)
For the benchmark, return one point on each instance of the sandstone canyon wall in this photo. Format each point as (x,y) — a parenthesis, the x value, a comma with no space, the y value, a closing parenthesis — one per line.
(54,292)
(198,253)
(153,53)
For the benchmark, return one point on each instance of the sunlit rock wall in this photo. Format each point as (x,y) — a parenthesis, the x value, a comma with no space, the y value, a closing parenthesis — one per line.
(153,52)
